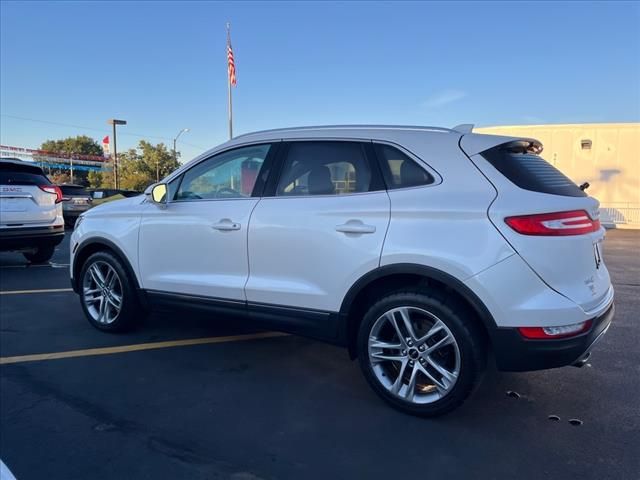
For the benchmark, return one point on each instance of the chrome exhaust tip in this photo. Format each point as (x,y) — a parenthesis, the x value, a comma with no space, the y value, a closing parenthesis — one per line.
(582,361)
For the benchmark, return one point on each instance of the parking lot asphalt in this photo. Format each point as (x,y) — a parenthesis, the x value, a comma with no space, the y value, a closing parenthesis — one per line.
(245,405)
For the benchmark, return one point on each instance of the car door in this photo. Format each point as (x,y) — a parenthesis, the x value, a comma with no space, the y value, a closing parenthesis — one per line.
(197,243)
(318,229)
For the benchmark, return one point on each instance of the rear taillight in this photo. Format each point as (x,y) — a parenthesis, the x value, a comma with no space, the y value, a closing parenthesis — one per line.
(575,222)
(52,189)
(549,333)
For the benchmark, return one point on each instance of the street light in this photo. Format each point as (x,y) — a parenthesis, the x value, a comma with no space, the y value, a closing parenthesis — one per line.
(175,140)
(114,122)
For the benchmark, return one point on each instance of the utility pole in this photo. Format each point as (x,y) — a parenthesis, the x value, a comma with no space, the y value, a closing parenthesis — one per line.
(115,122)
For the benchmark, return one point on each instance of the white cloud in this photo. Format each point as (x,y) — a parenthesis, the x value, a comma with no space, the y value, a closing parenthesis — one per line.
(443,98)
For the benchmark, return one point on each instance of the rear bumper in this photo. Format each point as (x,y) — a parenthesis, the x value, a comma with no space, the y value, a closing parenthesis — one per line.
(74,211)
(516,354)
(31,237)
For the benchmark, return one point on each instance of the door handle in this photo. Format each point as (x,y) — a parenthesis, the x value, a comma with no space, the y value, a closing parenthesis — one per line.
(355,226)
(226,225)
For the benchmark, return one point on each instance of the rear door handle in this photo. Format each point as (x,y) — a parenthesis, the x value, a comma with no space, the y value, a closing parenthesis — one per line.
(355,226)
(226,225)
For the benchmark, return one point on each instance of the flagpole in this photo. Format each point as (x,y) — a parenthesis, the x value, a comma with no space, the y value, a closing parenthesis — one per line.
(230,105)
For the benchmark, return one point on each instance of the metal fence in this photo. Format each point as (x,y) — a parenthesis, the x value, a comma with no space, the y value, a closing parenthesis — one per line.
(620,213)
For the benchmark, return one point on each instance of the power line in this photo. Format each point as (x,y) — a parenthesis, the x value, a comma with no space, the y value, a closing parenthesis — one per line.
(131,134)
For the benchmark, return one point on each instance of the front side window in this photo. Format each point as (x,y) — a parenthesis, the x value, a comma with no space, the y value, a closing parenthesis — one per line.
(399,170)
(227,175)
(324,168)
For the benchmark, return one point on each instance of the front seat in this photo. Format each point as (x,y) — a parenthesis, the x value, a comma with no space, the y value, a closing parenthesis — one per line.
(319,181)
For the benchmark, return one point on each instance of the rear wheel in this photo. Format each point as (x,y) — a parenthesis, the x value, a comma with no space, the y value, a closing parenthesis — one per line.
(107,294)
(40,255)
(422,353)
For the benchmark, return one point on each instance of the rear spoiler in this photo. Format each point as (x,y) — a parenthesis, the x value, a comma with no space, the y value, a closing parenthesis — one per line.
(472,144)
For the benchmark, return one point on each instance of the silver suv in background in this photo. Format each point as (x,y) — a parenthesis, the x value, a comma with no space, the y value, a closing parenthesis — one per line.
(31,218)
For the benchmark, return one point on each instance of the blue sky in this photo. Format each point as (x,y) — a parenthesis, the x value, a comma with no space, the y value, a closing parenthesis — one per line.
(162,66)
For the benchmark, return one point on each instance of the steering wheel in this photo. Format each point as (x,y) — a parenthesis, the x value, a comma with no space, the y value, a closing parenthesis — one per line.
(187,195)
(224,191)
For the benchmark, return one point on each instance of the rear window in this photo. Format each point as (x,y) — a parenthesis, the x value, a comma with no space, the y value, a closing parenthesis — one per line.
(531,172)
(73,190)
(11,174)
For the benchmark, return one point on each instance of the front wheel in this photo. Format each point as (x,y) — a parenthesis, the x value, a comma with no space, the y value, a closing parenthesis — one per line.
(107,294)
(422,353)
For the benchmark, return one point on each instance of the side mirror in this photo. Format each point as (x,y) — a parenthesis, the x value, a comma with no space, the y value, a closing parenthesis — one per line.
(159,194)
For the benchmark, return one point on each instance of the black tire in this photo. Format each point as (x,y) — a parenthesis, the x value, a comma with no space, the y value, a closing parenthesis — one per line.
(130,312)
(460,321)
(41,255)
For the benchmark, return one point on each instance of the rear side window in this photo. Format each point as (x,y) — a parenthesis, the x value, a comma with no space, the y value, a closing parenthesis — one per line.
(325,168)
(17,175)
(399,170)
(531,172)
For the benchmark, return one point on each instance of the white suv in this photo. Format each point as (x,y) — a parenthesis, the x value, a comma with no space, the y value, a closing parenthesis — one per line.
(423,250)
(31,219)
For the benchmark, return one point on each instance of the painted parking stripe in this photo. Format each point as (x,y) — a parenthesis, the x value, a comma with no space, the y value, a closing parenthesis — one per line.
(43,290)
(50,265)
(137,347)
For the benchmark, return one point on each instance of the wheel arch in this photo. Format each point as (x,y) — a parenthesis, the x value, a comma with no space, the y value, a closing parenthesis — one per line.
(93,245)
(393,277)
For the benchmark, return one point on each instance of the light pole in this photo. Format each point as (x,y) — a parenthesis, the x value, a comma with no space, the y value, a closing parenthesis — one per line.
(175,158)
(114,122)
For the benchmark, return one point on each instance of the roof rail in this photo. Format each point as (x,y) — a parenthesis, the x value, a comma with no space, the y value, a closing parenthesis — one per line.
(464,128)
(347,127)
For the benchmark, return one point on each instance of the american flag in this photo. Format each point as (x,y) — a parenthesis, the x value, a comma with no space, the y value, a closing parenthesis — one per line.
(231,66)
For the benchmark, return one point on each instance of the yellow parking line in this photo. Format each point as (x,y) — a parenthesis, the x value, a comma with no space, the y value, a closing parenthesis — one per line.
(137,347)
(44,290)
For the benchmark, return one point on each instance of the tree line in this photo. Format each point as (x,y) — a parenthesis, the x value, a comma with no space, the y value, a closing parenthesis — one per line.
(138,167)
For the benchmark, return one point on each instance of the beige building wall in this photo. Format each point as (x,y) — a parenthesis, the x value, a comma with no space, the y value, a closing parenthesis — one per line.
(607,155)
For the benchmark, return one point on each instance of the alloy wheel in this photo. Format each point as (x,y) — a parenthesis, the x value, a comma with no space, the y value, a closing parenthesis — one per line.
(414,355)
(102,292)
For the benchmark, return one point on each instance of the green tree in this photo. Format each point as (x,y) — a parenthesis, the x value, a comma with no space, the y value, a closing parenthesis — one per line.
(59,177)
(140,167)
(80,144)
(100,179)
